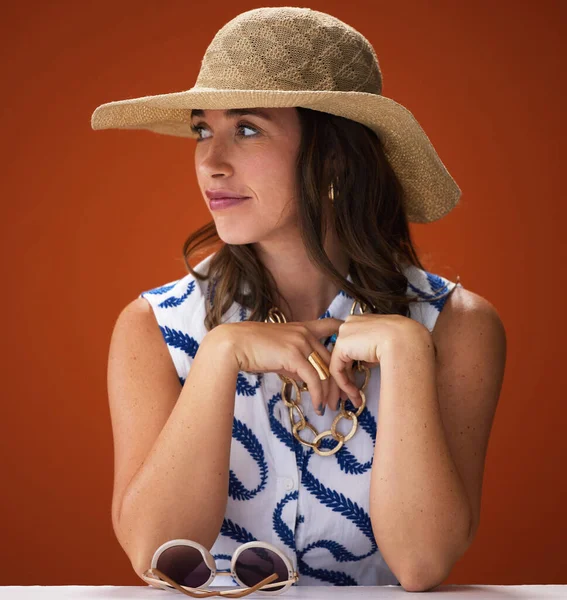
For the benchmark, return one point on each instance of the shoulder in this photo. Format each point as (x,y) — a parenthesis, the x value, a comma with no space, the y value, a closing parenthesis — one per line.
(465,319)
(137,335)
(463,306)
(139,320)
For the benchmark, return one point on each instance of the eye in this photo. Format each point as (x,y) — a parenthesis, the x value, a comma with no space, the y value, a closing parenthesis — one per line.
(197,130)
(244,126)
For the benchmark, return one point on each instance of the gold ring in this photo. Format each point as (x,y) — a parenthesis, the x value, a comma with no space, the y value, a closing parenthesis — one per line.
(319,365)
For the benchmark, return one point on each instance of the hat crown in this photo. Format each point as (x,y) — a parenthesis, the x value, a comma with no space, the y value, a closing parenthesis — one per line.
(292,49)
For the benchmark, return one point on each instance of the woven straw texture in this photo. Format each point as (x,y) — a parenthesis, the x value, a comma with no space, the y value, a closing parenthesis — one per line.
(290,56)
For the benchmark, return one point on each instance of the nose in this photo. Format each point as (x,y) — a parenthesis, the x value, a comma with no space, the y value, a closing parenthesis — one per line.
(214,158)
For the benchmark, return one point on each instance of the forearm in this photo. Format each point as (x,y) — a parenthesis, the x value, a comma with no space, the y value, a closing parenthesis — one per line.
(419,508)
(181,489)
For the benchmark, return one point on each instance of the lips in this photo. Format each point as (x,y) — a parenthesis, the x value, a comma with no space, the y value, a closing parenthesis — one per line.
(223,193)
(228,198)
(217,203)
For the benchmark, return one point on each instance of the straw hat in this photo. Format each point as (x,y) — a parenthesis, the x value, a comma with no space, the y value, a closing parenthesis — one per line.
(290,56)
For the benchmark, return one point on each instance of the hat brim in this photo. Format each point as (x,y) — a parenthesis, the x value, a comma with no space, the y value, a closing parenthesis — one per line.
(430,190)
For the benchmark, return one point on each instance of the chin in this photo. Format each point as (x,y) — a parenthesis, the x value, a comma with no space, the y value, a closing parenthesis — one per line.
(235,238)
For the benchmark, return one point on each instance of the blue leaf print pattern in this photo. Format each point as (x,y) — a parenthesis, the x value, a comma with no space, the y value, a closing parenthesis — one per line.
(180,340)
(160,290)
(438,286)
(314,509)
(174,301)
(327,575)
(245,436)
(235,532)
(337,501)
(284,533)
(243,387)
(277,429)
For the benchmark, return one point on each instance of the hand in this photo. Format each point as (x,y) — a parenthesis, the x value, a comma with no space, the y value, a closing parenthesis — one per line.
(369,338)
(284,348)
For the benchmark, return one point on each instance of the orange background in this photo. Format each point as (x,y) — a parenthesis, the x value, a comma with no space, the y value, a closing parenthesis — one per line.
(92,219)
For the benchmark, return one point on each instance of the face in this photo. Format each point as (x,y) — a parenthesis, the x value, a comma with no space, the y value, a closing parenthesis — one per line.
(250,156)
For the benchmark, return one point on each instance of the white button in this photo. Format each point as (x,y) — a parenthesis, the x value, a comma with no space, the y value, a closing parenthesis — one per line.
(288,482)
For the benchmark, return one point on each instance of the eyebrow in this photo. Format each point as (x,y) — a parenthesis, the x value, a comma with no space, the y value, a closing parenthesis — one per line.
(234,112)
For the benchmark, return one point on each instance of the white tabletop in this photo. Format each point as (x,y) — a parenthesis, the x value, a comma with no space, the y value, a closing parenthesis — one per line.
(319,592)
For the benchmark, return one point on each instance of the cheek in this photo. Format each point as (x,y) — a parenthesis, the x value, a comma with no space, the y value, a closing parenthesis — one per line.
(273,178)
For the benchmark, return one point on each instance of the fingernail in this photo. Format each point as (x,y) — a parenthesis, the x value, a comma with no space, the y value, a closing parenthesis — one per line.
(323,411)
(320,410)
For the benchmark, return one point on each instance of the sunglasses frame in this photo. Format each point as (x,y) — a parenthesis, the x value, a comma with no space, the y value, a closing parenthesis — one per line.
(152,578)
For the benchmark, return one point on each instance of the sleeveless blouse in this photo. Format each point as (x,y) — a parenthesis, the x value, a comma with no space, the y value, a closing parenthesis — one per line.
(315,509)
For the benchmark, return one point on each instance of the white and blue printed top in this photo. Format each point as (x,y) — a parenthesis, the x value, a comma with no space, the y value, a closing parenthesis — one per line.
(314,508)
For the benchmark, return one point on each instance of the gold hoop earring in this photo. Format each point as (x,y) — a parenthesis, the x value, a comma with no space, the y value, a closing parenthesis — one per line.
(331,192)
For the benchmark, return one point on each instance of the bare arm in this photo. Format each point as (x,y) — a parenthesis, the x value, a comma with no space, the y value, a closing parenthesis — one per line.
(181,488)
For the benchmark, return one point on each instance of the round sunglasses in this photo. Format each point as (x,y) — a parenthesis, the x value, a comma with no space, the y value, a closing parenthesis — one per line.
(189,568)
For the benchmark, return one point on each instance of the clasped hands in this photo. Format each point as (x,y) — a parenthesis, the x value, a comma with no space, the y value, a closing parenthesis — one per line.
(369,338)
(284,348)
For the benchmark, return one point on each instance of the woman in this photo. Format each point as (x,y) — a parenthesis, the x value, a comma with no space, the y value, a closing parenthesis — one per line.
(314,316)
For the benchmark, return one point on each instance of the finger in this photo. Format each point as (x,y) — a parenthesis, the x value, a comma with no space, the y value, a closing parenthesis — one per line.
(309,375)
(344,375)
(325,383)
(352,376)
(350,372)
(323,328)
(318,388)
(349,387)
(333,391)
(335,395)
(296,376)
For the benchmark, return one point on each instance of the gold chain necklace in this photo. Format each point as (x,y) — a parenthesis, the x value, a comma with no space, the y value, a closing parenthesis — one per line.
(275,315)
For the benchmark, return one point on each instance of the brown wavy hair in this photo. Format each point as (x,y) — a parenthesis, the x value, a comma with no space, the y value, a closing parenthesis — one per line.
(367,213)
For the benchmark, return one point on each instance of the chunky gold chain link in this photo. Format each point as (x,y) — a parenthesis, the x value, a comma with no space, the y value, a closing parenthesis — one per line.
(275,315)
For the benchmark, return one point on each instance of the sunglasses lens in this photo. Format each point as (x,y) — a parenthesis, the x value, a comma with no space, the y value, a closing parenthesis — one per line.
(185,565)
(255,564)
